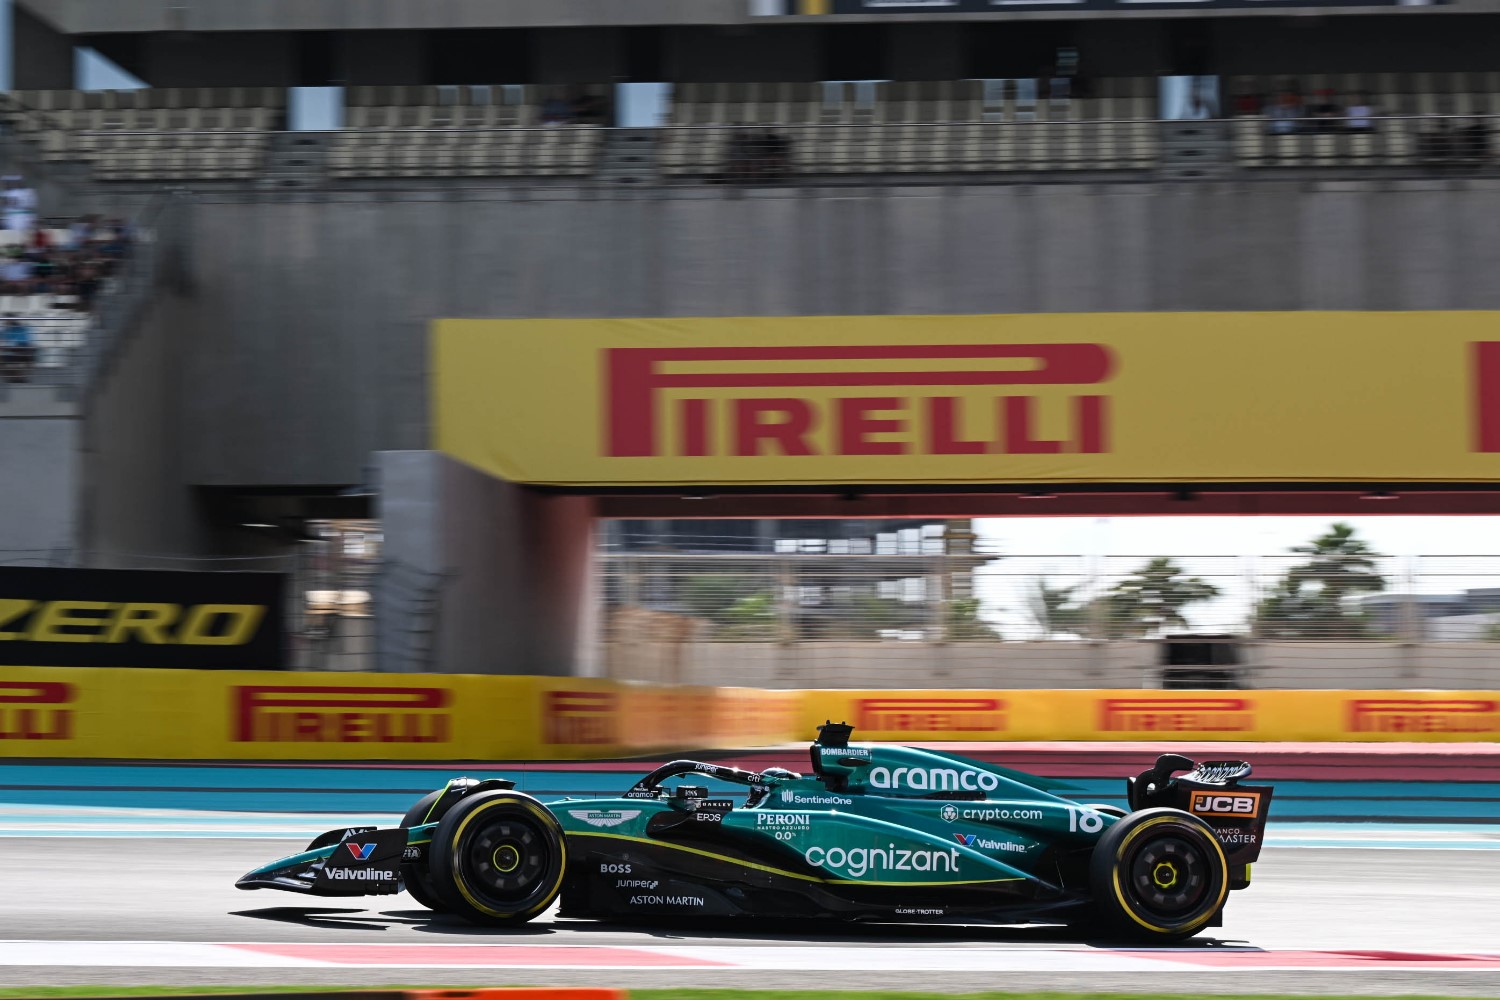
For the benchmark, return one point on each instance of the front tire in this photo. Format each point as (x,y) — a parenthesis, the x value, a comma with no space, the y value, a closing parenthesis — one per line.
(1159,875)
(497,858)
(416,877)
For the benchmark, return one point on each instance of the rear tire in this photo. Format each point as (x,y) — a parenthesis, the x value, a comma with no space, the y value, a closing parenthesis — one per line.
(1159,875)
(415,875)
(498,858)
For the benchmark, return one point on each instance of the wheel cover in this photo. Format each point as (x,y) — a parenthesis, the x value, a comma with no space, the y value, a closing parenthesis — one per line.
(506,860)
(1168,876)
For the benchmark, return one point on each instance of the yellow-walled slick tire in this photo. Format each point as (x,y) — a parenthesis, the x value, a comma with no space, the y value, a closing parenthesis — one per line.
(497,858)
(1158,875)
(415,876)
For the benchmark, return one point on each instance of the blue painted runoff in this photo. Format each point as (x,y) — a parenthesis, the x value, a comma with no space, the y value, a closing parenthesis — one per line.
(236,788)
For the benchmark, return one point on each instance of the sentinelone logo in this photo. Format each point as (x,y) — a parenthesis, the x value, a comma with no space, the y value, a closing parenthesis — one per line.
(856,423)
(267,714)
(1415,715)
(930,715)
(1176,715)
(36,710)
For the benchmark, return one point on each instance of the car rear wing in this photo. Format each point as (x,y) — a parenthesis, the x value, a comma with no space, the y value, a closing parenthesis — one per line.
(1212,792)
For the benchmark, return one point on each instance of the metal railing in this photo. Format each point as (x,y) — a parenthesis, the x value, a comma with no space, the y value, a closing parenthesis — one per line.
(947,619)
(770,153)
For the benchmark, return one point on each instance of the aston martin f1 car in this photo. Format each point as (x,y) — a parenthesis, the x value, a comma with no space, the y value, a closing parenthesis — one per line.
(876,832)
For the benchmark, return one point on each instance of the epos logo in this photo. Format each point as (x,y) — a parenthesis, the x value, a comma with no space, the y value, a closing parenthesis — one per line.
(930,715)
(318,714)
(579,717)
(1415,715)
(1224,805)
(36,710)
(910,414)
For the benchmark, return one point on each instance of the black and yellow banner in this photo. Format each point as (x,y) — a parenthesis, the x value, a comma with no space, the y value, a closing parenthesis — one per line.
(141,618)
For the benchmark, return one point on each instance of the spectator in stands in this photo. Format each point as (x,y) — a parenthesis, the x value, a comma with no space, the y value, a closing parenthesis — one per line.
(588,109)
(1325,113)
(1359,116)
(20,205)
(17,351)
(1286,114)
(1474,142)
(556,111)
(16,273)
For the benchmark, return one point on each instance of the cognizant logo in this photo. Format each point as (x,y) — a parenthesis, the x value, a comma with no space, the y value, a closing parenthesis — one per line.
(860,861)
(934,779)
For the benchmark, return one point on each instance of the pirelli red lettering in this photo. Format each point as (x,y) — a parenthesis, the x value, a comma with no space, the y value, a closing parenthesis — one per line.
(1176,715)
(930,715)
(1418,715)
(1486,367)
(860,423)
(36,710)
(312,714)
(579,717)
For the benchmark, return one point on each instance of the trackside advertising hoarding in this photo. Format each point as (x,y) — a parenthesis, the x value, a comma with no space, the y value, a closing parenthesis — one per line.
(1252,716)
(1315,397)
(141,618)
(212,715)
(229,715)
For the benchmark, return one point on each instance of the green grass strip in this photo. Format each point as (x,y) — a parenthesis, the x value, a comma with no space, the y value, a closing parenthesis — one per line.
(26,992)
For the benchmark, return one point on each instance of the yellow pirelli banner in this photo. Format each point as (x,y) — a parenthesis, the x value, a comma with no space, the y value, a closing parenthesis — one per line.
(213,715)
(231,715)
(1098,397)
(1156,716)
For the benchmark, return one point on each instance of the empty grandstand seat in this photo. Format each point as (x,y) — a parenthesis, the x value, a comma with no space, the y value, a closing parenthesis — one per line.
(155,134)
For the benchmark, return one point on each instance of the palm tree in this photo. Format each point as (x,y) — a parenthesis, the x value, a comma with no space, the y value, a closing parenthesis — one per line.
(1055,610)
(1310,601)
(1151,600)
(1340,564)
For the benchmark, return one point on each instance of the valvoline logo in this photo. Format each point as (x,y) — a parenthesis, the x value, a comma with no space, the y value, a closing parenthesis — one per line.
(966,839)
(361,852)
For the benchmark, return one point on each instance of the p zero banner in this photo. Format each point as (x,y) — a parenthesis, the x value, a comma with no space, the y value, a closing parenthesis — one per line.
(1161,716)
(1314,397)
(141,618)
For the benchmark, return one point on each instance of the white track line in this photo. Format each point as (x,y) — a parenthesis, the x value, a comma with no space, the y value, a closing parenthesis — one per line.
(324,955)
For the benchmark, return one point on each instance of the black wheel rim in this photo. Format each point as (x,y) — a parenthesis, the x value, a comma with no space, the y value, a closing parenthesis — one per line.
(507,859)
(1170,876)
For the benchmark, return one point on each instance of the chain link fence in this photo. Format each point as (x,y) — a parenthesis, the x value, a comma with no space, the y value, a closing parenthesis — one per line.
(336,585)
(943,612)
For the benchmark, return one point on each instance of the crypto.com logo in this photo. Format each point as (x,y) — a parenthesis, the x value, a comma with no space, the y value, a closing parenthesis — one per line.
(897,421)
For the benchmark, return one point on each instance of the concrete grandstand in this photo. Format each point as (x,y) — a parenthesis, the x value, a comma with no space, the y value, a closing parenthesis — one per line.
(976,163)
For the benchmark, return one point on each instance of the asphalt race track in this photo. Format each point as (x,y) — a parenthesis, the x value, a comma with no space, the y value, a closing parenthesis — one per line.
(91,910)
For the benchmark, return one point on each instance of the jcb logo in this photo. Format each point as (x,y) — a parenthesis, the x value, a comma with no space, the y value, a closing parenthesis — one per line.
(112,622)
(1234,805)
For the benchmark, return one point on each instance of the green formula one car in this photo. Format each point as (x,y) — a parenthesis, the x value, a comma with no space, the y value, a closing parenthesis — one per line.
(876,832)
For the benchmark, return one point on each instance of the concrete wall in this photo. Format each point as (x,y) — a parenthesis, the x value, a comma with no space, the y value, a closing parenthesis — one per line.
(511,570)
(305,345)
(39,478)
(135,501)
